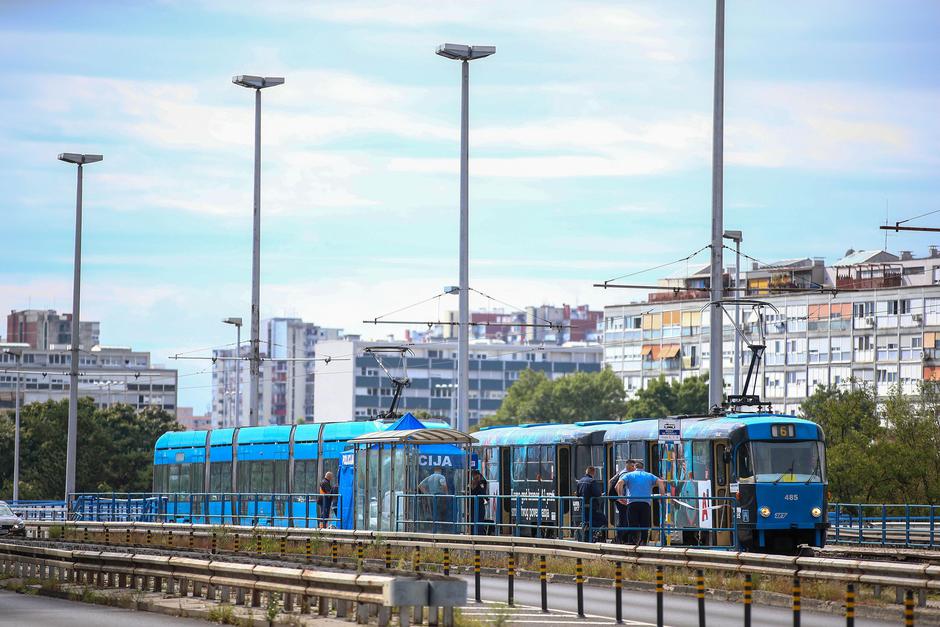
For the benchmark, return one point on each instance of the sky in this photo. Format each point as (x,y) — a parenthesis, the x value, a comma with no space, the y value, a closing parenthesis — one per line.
(590,152)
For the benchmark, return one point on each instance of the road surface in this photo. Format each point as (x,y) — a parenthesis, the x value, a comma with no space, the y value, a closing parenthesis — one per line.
(40,611)
(639,608)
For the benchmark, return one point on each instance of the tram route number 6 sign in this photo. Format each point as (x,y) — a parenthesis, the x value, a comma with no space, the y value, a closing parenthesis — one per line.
(669,430)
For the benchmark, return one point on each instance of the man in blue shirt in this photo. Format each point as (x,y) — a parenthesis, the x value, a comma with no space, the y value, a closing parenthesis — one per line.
(639,486)
(617,487)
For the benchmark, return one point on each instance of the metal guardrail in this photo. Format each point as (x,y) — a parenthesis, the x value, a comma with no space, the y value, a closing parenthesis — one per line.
(371,595)
(906,577)
(39,510)
(887,525)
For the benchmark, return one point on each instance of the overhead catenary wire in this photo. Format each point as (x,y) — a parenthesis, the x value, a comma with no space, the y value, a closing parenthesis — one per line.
(660,266)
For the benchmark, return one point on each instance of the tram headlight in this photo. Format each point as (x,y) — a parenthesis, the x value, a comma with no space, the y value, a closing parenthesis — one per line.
(816,512)
(765,511)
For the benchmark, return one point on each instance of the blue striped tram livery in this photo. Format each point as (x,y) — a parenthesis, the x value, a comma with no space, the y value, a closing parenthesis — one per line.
(528,466)
(772,465)
(252,475)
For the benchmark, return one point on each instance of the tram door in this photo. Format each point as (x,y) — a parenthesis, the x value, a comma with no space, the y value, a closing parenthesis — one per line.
(504,509)
(564,487)
(721,454)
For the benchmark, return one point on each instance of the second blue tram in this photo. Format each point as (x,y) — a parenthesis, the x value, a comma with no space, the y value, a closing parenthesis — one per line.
(527,466)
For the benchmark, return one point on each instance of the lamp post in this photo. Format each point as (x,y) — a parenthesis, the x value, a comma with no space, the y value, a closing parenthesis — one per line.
(716,343)
(464,54)
(449,386)
(72,440)
(257,83)
(735,236)
(16,350)
(238,365)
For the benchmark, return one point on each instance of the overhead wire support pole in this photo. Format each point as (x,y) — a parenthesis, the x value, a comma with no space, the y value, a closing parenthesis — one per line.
(716,338)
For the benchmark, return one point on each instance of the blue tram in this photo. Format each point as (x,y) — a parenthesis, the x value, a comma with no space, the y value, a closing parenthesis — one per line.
(252,475)
(528,466)
(773,465)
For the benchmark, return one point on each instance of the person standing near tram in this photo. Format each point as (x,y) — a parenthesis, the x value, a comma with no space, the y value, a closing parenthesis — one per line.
(435,485)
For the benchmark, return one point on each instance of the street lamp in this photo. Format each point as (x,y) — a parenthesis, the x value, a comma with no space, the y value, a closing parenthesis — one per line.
(72,441)
(464,54)
(238,365)
(735,236)
(257,83)
(449,386)
(16,350)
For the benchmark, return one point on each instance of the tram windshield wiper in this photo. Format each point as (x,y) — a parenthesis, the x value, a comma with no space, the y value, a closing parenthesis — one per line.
(785,473)
(814,475)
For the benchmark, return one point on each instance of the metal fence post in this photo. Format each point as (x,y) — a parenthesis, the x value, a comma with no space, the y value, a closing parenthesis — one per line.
(850,605)
(543,581)
(334,551)
(511,575)
(388,556)
(748,589)
(476,575)
(416,559)
(700,595)
(659,597)
(618,591)
(359,556)
(797,593)
(579,580)
(308,549)
(909,608)
(446,561)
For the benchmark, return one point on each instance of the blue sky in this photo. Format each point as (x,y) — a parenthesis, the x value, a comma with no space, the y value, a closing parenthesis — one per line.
(590,147)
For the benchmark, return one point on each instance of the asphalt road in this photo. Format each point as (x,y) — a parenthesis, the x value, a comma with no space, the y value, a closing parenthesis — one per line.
(27,609)
(639,608)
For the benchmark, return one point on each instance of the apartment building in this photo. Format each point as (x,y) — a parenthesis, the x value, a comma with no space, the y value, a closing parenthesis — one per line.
(577,323)
(42,328)
(353,386)
(108,374)
(287,382)
(883,330)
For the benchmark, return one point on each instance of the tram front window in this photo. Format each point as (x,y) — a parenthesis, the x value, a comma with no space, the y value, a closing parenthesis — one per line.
(777,462)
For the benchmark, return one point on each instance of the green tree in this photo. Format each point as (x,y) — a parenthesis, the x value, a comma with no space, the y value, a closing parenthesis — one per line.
(661,398)
(575,397)
(115,448)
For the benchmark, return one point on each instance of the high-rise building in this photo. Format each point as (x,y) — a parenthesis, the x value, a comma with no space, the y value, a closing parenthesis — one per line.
(44,328)
(353,386)
(288,349)
(883,331)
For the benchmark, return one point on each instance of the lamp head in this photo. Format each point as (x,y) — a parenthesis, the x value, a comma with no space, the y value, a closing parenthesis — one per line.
(236,321)
(734,236)
(80,159)
(462,52)
(257,82)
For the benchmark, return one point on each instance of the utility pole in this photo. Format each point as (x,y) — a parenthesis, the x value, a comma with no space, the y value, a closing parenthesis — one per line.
(716,343)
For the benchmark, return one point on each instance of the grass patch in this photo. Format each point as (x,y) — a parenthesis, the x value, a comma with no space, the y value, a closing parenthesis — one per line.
(223,615)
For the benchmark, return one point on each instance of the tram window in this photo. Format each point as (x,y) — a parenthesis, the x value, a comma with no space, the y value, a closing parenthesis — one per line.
(220,477)
(300,477)
(244,472)
(183,478)
(173,478)
(329,465)
(197,477)
(744,467)
(491,465)
(159,478)
(548,463)
(533,468)
(701,466)
(638,452)
(721,477)
(280,476)
(518,463)
(582,459)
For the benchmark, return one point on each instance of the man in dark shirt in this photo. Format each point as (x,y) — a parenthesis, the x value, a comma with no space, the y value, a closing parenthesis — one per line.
(478,492)
(592,514)
(325,501)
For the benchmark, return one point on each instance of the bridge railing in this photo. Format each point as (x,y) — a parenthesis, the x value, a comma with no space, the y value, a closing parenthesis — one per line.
(215,508)
(306,545)
(885,524)
(344,592)
(39,510)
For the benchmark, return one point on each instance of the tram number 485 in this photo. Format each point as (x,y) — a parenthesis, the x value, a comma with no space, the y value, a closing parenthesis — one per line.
(791,497)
